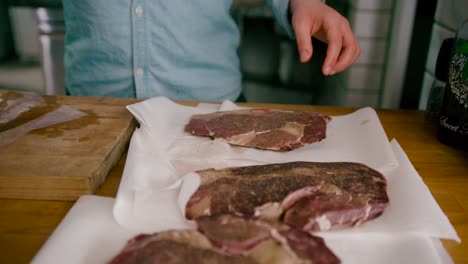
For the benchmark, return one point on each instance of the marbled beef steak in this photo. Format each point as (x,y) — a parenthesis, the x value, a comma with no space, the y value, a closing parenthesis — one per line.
(174,247)
(228,239)
(265,242)
(262,128)
(312,196)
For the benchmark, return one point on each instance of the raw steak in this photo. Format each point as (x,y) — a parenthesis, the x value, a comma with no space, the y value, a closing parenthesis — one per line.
(262,128)
(173,247)
(312,196)
(228,239)
(265,242)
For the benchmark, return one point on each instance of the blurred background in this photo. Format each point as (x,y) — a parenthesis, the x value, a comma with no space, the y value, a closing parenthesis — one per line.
(400,40)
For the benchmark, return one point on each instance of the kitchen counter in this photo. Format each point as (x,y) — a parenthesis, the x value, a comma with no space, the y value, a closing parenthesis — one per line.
(26,224)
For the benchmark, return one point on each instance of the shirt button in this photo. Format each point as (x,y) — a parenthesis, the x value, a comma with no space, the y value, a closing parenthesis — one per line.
(138,10)
(139,72)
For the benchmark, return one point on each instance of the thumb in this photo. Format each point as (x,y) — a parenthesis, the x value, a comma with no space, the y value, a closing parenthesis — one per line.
(303,38)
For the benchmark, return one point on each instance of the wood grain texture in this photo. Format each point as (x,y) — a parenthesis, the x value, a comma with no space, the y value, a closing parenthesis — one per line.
(66,160)
(25,224)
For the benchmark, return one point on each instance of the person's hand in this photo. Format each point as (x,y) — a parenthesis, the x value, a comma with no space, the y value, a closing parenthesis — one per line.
(314,18)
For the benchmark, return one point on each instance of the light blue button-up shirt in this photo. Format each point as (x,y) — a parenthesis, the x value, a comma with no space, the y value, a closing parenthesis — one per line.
(182,49)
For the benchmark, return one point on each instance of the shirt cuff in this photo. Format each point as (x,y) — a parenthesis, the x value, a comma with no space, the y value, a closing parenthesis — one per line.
(280,10)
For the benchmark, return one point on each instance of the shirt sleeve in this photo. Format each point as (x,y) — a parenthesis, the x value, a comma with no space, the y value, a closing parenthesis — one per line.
(280,10)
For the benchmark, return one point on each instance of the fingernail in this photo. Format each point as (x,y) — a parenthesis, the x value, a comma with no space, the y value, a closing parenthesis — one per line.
(331,72)
(304,55)
(327,71)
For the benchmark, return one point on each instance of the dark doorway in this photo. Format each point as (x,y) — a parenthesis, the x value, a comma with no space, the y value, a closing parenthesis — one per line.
(420,42)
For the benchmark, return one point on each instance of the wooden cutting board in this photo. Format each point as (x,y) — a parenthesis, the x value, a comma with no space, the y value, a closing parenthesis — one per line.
(66,160)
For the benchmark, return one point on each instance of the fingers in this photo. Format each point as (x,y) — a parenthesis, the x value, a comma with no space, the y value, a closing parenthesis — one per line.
(302,29)
(349,53)
(334,39)
(343,47)
(313,18)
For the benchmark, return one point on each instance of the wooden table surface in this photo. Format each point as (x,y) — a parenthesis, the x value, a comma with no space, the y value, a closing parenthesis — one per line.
(26,224)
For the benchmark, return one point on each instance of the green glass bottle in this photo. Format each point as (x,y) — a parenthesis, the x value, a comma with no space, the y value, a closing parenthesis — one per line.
(436,95)
(453,122)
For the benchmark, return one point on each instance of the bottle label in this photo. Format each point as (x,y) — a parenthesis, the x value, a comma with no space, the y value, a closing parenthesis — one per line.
(458,78)
(460,128)
(454,116)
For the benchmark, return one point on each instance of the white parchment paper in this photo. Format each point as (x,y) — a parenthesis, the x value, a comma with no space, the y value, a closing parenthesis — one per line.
(157,183)
(161,153)
(158,178)
(89,235)
(412,209)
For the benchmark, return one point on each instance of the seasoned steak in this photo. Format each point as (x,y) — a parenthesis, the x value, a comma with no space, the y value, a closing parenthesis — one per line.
(174,247)
(262,128)
(228,239)
(312,196)
(233,233)
(265,242)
